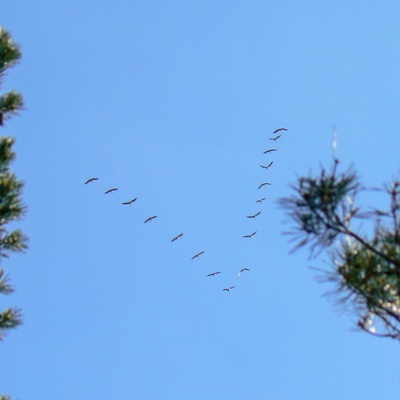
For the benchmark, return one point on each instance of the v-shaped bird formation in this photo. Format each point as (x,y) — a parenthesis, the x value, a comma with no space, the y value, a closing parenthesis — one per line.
(250,236)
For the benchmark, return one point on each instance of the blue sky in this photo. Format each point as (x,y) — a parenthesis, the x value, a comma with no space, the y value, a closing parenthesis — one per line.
(173,102)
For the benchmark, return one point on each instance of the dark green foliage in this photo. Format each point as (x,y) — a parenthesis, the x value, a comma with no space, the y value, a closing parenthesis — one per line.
(5,286)
(9,52)
(316,203)
(10,318)
(11,208)
(365,270)
(10,102)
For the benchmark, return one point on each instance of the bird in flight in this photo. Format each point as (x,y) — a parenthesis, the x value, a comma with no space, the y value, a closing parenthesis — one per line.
(110,190)
(228,289)
(90,180)
(260,200)
(269,151)
(250,235)
(254,216)
(243,270)
(130,202)
(214,273)
(279,130)
(275,138)
(267,166)
(176,237)
(264,184)
(197,255)
(150,218)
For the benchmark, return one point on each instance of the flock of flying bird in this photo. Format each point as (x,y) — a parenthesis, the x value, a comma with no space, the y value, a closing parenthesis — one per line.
(254,216)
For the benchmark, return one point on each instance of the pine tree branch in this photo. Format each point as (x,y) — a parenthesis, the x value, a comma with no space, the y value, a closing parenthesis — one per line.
(9,319)
(9,52)
(346,231)
(366,271)
(5,287)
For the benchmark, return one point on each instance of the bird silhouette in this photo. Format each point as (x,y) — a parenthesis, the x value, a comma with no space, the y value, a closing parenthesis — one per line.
(214,273)
(250,235)
(279,130)
(260,200)
(269,151)
(264,184)
(176,237)
(150,218)
(130,201)
(275,138)
(254,216)
(267,166)
(110,190)
(197,255)
(90,180)
(243,270)
(228,289)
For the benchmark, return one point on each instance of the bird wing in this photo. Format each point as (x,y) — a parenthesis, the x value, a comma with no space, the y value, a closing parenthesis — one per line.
(91,180)
(197,255)
(176,237)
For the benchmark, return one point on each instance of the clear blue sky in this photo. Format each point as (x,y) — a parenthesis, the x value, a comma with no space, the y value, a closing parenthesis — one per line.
(173,102)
